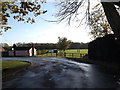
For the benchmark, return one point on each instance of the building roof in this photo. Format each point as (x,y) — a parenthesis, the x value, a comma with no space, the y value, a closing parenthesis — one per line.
(21,48)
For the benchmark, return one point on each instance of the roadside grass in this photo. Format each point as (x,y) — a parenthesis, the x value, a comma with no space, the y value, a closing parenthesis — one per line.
(14,64)
(10,68)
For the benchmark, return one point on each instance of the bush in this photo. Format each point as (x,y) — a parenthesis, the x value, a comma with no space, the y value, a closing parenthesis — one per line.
(43,51)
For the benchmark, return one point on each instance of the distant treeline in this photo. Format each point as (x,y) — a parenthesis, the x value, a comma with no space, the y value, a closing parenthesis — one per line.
(40,46)
(79,46)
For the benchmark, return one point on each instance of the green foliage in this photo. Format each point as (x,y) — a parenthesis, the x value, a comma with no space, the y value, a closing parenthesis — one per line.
(20,11)
(63,43)
(7,48)
(38,52)
(43,51)
(61,53)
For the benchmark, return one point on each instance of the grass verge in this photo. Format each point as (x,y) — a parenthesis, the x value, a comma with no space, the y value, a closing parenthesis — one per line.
(10,68)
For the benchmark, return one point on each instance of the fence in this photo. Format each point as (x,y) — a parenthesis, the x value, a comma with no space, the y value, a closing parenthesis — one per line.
(70,55)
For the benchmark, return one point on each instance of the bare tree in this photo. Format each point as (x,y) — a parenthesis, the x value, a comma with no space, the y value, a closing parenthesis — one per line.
(69,11)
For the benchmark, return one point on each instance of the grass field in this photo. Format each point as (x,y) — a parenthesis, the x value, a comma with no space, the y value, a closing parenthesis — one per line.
(71,53)
(82,51)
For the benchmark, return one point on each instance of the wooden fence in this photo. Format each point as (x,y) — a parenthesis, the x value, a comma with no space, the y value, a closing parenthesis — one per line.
(71,55)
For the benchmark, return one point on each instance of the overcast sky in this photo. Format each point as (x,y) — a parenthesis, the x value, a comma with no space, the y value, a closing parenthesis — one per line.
(43,31)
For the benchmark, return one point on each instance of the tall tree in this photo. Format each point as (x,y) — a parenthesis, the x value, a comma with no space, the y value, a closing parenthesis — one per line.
(113,18)
(98,22)
(20,11)
(71,9)
(63,43)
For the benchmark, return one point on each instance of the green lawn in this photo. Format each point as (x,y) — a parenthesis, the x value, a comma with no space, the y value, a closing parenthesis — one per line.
(13,64)
(71,53)
(10,68)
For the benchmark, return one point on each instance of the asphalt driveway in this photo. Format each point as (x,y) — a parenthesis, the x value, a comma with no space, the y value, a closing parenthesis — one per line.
(51,72)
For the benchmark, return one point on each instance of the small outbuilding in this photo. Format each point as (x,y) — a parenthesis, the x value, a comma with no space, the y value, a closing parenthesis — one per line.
(22,51)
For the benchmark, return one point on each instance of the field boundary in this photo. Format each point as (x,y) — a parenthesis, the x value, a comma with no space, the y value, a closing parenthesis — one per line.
(69,55)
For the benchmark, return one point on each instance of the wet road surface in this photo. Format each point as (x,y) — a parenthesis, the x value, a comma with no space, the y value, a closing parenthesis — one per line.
(51,72)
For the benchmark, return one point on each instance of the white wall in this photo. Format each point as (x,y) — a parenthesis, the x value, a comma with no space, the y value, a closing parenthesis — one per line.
(30,52)
(35,51)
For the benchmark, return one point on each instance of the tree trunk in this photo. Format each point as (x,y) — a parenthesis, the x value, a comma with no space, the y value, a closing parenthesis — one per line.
(113,18)
(107,48)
